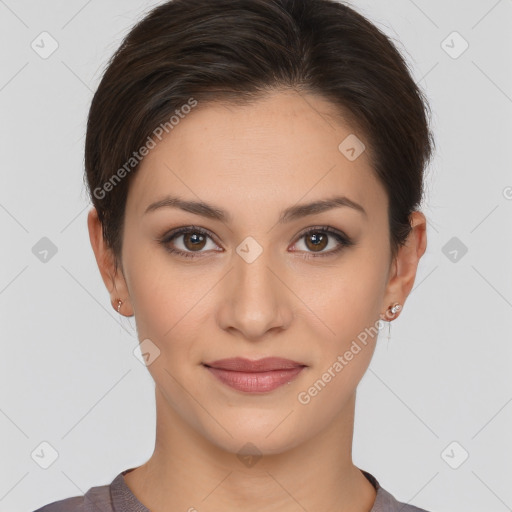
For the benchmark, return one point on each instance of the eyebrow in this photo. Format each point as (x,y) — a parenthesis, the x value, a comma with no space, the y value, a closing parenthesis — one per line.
(289,214)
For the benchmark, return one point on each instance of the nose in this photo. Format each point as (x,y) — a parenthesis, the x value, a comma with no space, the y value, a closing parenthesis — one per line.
(255,301)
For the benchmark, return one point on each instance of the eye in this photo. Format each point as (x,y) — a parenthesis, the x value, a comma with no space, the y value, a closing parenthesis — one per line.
(318,238)
(194,239)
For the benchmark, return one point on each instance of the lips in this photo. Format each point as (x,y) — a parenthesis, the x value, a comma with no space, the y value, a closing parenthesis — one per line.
(257,376)
(239,364)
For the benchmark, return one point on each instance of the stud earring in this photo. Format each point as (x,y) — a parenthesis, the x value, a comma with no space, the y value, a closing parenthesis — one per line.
(119,302)
(391,312)
(395,308)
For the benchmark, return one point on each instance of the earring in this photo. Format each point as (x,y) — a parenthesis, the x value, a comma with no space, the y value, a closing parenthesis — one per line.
(127,318)
(392,310)
(395,308)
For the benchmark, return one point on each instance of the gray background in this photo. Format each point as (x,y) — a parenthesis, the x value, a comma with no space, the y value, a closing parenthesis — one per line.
(68,375)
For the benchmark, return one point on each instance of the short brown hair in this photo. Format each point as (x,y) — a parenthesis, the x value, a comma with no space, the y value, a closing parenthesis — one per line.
(236,50)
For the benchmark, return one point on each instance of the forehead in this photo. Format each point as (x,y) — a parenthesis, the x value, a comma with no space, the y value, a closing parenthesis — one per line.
(281,148)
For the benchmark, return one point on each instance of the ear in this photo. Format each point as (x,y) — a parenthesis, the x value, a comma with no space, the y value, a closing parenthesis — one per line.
(404,266)
(113,279)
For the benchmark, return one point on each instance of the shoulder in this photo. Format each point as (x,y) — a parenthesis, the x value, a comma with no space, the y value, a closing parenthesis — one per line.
(386,502)
(74,504)
(96,498)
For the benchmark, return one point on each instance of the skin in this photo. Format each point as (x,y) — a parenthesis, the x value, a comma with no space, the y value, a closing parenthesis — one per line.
(254,161)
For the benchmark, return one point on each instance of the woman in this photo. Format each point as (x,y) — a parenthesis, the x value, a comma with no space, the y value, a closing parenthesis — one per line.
(256,168)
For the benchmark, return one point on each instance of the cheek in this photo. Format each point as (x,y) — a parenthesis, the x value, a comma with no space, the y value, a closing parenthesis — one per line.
(351,310)
(155,290)
(169,304)
(355,302)
(349,299)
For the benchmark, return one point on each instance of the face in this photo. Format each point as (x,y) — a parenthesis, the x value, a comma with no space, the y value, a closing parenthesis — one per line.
(268,279)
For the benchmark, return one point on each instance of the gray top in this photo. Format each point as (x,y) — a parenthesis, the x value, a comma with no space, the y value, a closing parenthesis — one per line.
(117,497)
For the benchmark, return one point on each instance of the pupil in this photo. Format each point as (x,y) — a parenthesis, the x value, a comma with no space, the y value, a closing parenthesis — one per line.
(196,239)
(318,240)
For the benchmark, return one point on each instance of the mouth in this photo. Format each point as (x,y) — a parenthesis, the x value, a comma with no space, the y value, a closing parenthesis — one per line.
(257,376)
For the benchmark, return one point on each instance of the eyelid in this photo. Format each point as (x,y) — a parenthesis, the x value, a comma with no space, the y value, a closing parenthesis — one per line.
(343,240)
(324,228)
(168,236)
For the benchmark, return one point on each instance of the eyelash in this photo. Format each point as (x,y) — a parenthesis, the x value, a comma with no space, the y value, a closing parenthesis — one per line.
(342,239)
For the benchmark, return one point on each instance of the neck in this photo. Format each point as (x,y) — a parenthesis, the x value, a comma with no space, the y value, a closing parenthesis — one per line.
(188,472)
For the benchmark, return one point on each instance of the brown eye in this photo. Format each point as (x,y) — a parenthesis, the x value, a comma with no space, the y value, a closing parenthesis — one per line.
(316,241)
(188,242)
(194,241)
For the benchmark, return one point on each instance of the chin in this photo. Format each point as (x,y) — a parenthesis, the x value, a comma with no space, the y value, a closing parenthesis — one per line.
(248,436)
